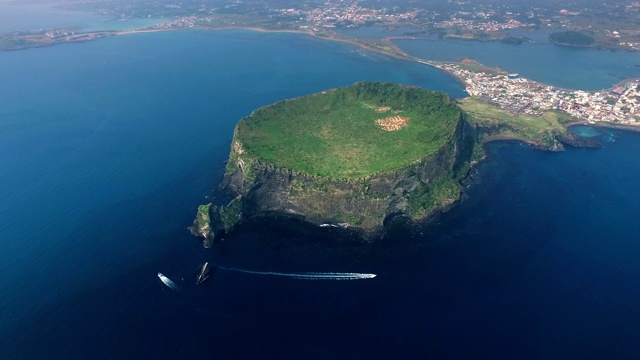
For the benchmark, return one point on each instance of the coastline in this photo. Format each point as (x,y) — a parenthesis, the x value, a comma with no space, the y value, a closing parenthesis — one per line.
(134,31)
(606,125)
(494,138)
(601,47)
(390,50)
(400,54)
(353,41)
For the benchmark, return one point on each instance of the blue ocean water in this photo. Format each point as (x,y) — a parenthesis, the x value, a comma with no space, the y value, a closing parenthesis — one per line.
(562,66)
(17,16)
(29,17)
(107,148)
(375,32)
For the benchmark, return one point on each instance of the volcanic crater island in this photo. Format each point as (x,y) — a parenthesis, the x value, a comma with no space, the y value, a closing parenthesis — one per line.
(365,156)
(356,157)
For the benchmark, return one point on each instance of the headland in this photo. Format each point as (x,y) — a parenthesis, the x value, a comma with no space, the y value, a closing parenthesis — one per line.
(357,157)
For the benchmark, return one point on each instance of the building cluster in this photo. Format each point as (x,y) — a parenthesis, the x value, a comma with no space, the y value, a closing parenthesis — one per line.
(353,14)
(630,45)
(57,33)
(473,25)
(621,104)
(518,95)
(465,19)
(182,22)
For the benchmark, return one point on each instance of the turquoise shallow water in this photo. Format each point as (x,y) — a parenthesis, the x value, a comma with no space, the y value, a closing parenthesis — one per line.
(107,147)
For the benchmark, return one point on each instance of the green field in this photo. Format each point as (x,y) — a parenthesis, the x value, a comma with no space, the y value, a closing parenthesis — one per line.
(335,134)
(473,66)
(539,129)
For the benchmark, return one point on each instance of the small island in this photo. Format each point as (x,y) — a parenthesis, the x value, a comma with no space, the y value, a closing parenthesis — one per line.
(572,38)
(357,157)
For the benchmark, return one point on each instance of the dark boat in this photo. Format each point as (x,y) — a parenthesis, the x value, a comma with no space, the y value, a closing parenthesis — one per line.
(203,274)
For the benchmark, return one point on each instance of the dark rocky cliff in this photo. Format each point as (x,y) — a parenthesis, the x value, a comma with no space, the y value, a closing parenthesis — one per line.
(415,192)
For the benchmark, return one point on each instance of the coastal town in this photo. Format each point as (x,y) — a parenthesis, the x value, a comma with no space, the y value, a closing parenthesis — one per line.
(321,19)
(621,104)
(458,20)
(475,22)
(485,21)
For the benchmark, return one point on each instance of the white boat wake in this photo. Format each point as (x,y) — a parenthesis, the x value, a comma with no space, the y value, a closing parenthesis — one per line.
(307,275)
(165,280)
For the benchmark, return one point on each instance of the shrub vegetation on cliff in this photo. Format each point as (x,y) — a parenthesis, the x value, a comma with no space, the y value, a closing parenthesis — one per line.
(364,129)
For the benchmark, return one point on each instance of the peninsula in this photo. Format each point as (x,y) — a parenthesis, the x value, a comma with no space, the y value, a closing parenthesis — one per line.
(357,157)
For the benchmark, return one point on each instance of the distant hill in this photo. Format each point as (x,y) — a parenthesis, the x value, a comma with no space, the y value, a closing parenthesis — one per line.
(572,38)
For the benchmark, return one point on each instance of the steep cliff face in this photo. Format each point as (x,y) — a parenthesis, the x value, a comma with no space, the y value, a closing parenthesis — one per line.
(417,191)
(365,204)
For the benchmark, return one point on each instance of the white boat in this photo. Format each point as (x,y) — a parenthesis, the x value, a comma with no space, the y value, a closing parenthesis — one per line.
(203,274)
(165,280)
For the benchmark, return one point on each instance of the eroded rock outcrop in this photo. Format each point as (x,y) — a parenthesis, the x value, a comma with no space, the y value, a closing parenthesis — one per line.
(365,204)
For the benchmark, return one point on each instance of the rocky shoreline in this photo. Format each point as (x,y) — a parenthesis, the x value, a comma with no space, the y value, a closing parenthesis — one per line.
(364,205)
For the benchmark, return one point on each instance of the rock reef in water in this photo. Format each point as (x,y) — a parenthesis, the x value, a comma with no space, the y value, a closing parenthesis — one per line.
(576,141)
(359,156)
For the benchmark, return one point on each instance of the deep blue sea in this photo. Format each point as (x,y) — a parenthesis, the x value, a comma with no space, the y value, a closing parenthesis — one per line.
(107,148)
